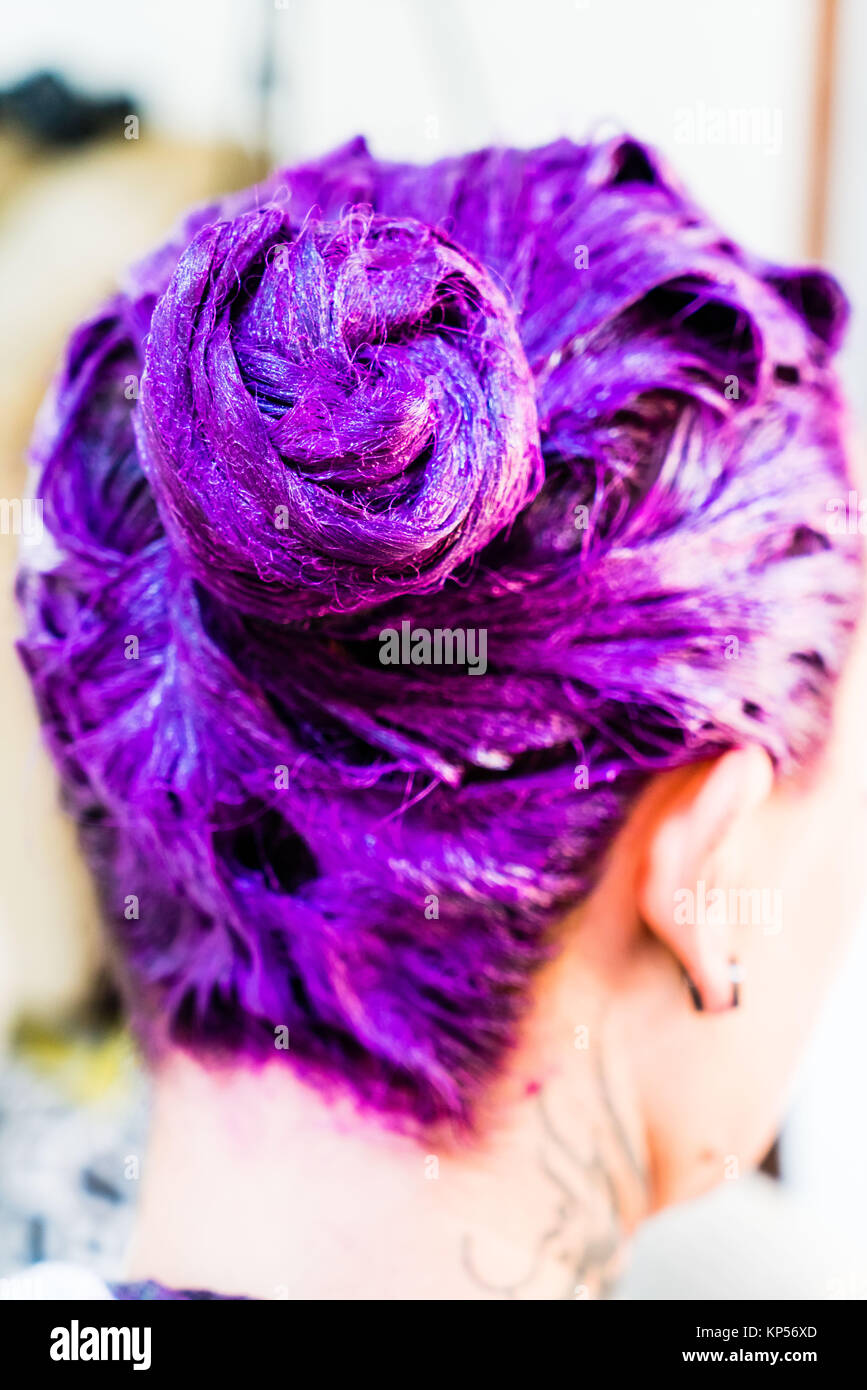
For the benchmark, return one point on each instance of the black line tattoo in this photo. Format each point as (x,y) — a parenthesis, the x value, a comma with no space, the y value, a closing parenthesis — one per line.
(586,1230)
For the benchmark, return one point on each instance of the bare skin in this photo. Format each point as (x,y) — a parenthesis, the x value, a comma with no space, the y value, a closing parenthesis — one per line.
(275,1194)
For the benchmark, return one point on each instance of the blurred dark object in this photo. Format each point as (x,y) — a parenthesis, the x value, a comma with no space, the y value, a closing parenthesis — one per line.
(770,1164)
(45,109)
(102,1007)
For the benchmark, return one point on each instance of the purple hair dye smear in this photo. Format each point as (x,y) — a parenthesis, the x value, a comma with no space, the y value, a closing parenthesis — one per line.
(534,393)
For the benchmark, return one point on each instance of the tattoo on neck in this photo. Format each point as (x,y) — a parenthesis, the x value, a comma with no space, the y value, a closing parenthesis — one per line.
(585,1233)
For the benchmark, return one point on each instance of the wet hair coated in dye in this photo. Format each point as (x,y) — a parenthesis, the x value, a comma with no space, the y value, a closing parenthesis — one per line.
(538,395)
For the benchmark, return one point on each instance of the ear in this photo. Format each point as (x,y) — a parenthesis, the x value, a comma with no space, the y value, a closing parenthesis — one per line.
(689,843)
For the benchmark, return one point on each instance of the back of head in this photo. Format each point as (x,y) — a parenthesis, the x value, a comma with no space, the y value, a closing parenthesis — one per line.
(404,522)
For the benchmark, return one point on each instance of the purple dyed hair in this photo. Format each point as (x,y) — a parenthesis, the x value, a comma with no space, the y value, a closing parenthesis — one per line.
(536,393)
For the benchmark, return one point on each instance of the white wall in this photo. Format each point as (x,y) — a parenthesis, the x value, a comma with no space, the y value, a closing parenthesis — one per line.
(826,1138)
(422,77)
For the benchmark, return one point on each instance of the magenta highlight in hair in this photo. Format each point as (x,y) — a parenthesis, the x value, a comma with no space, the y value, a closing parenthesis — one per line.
(535,394)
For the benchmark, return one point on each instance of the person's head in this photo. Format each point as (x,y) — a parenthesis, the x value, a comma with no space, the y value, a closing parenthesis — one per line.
(445,606)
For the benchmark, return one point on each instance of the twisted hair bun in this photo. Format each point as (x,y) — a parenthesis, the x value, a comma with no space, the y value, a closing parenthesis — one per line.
(336,419)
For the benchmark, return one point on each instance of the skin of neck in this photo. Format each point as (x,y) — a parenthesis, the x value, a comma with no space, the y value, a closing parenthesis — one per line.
(256,1184)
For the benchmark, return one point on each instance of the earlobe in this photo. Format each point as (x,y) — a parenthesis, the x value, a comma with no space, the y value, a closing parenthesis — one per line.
(687,865)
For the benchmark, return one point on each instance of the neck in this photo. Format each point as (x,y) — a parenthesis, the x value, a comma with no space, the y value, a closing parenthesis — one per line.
(253,1184)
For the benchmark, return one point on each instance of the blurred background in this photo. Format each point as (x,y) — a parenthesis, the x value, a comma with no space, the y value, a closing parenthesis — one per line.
(114,117)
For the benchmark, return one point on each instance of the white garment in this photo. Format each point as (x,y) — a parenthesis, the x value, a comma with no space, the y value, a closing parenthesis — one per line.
(55,1280)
